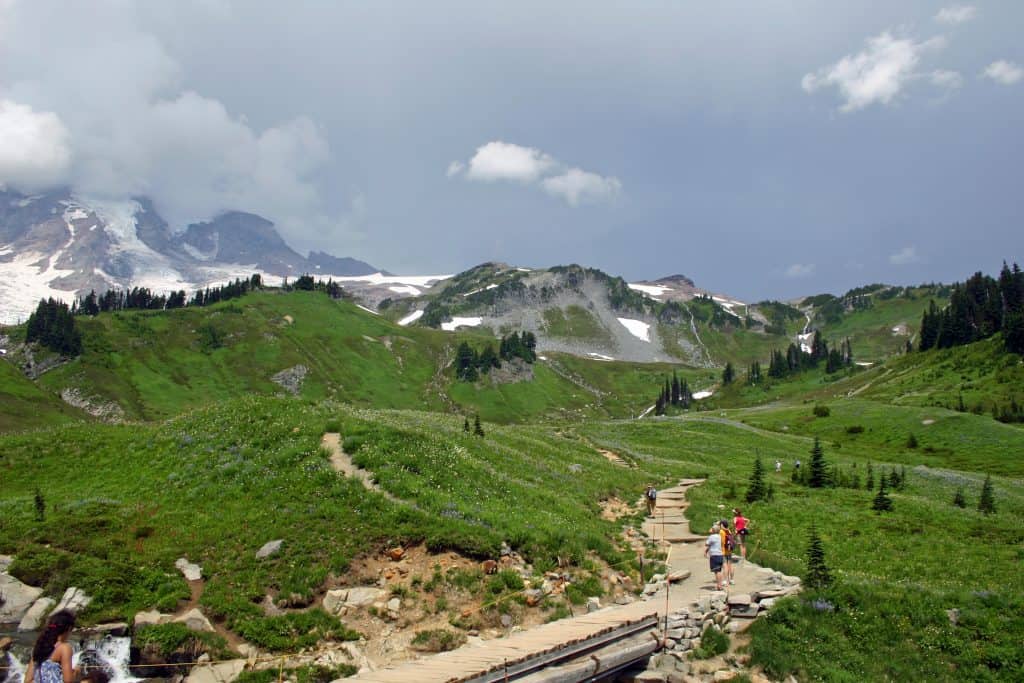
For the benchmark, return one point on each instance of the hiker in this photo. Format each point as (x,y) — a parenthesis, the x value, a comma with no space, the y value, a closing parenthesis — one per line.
(796,466)
(778,465)
(728,543)
(51,655)
(651,496)
(739,523)
(713,551)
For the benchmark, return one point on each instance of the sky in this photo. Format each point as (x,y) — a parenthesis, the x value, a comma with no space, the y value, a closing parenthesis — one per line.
(765,149)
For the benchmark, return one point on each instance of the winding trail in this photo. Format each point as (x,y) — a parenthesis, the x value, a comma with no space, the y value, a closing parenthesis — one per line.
(686,562)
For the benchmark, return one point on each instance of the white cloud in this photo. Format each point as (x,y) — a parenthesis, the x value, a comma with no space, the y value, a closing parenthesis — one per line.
(455,168)
(876,74)
(506,161)
(1003,72)
(957,14)
(576,185)
(34,149)
(944,78)
(113,119)
(800,270)
(904,256)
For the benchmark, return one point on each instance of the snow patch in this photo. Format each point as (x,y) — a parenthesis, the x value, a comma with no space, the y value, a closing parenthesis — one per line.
(454,323)
(368,310)
(650,290)
(482,289)
(524,270)
(411,318)
(864,364)
(600,356)
(727,304)
(637,328)
(698,395)
(405,289)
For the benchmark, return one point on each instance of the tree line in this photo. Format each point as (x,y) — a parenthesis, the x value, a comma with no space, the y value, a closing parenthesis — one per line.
(797,359)
(675,392)
(978,308)
(52,325)
(470,364)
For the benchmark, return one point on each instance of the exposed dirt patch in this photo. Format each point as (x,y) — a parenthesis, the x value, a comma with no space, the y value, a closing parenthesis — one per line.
(613,509)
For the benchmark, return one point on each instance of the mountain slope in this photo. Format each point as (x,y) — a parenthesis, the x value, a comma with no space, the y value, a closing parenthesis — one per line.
(61,245)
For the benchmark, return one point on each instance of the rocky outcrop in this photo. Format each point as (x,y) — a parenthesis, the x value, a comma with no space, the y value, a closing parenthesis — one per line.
(35,617)
(269,549)
(73,600)
(190,570)
(339,601)
(18,598)
(290,379)
(106,411)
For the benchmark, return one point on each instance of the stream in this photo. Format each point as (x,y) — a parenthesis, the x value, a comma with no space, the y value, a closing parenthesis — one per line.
(112,653)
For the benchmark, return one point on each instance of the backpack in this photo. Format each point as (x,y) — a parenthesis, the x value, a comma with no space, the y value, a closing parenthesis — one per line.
(652,494)
(730,540)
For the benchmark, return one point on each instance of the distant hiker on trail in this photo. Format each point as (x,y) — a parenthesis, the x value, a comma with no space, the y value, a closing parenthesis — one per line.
(778,465)
(650,497)
(796,465)
(739,523)
(51,655)
(728,544)
(713,551)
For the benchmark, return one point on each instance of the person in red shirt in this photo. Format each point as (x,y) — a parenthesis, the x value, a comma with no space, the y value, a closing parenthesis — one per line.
(739,523)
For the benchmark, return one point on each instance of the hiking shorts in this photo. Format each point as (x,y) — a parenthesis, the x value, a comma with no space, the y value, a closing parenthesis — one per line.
(716,563)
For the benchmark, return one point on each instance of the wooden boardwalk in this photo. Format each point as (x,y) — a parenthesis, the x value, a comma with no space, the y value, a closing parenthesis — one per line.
(472,661)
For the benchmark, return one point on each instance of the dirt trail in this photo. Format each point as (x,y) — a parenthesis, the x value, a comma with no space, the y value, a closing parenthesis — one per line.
(342,463)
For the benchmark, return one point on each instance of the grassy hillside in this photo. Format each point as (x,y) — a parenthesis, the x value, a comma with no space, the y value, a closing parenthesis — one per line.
(897,572)
(24,405)
(155,364)
(123,502)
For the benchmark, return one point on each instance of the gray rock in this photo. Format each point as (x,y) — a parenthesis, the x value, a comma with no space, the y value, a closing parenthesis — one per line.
(5,562)
(748,611)
(677,576)
(221,672)
(739,599)
(334,601)
(650,677)
(18,598)
(394,604)
(190,570)
(151,618)
(36,614)
(291,379)
(362,596)
(73,600)
(195,621)
(269,548)
(506,620)
(593,604)
(767,603)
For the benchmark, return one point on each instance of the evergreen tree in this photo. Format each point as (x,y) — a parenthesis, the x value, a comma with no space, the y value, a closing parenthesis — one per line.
(728,375)
(987,503)
(465,424)
(818,574)
(819,468)
(911,441)
(477,427)
(903,478)
(466,363)
(958,499)
(676,389)
(882,501)
(870,483)
(756,491)
(40,505)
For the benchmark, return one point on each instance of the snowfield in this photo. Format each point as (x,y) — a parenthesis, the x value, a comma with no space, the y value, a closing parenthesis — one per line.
(368,310)
(405,289)
(650,290)
(454,323)
(381,279)
(698,395)
(637,328)
(411,318)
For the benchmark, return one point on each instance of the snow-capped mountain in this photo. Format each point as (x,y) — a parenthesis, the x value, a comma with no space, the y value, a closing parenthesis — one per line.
(62,245)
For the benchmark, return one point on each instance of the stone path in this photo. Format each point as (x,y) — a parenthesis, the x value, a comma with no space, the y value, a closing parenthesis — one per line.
(685,559)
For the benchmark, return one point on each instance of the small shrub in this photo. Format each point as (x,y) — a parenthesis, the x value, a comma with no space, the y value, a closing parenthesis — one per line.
(911,441)
(822,411)
(333,426)
(504,581)
(437,640)
(294,630)
(713,642)
(351,444)
(855,429)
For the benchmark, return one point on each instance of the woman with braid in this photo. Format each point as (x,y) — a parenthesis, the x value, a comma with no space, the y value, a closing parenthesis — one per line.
(51,655)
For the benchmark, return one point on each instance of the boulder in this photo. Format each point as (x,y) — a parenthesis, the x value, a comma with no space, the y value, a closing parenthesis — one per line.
(774,593)
(269,548)
(190,570)
(677,576)
(194,620)
(151,618)
(18,598)
(5,562)
(739,625)
(36,614)
(725,675)
(738,599)
(221,672)
(73,600)
(334,601)
(593,604)
(362,596)
(394,604)
(767,603)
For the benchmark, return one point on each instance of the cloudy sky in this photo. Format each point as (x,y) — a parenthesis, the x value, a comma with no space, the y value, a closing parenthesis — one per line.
(766,149)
